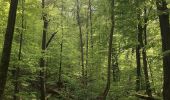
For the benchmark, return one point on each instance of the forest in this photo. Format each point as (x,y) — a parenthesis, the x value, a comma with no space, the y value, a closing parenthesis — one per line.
(84,50)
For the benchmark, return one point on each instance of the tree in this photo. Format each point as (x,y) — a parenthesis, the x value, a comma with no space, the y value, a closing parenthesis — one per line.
(17,70)
(93,54)
(60,84)
(42,59)
(144,54)
(138,54)
(91,28)
(5,58)
(104,95)
(81,41)
(165,34)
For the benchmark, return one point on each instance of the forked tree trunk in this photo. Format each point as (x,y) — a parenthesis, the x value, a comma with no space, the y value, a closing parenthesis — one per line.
(5,58)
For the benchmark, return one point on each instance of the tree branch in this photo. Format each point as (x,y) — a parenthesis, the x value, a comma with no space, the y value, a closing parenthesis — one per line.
(49,41)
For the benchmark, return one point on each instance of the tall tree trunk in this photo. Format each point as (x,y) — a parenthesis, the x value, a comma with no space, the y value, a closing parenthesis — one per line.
(138,62)
(42,59)
(5,58)
(138,69)
(91,29)
(81,41)
(145,65)
(107,88)
(87,41)
(165,34)
(17,70)
(61,50)
(147,83)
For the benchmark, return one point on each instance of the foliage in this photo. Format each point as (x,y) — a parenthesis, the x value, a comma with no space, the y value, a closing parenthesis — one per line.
(124,42)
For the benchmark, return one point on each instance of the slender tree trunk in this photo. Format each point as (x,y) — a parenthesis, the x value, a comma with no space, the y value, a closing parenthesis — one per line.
(145,65)
(147,83)
(87,41)
(42,59)
(138,62)
(5,58)
(91,29)
(165,34)
(138,71)
(81,41)
(60,68)
(107,88)
(91,53)
(61,49)
(17,70)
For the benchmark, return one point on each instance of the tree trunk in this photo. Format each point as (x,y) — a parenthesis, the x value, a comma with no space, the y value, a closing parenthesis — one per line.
(138,62)
(5,58)
(42,59)
(61,50)
(165,34)
(87,40)
(145,65)
(91,30)
(81,41)
(104,95)
(17,70)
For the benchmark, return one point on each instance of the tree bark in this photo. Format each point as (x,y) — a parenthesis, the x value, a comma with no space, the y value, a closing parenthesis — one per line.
(165,34)
(17,70)
(61,50)
(138,47)
(5,58)
(87,40)
(145,64)
(91,30)
(42,59)
(104,95)
(49,41)
(81,41)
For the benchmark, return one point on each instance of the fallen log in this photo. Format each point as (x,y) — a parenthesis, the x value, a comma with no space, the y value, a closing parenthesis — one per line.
(146,97)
